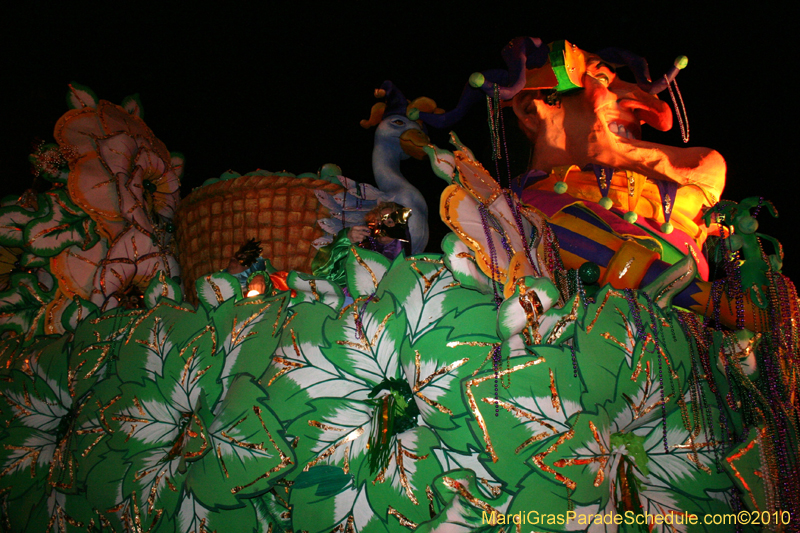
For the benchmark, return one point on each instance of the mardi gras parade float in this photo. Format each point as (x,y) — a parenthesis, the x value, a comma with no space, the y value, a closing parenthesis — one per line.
(278,352)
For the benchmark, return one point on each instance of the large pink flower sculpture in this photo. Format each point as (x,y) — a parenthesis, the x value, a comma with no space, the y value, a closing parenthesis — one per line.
(120,172)
(110,274)
(127,181)
(132,261)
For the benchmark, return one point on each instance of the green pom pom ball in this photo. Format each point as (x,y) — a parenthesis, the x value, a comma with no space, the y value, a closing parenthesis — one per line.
(477,80)
(589,273)
(560,187)
(747,225)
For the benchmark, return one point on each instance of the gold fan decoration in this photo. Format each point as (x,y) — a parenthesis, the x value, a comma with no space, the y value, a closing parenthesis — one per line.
(8,262)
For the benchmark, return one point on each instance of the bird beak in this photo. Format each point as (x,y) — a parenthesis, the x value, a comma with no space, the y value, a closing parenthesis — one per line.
(413,142)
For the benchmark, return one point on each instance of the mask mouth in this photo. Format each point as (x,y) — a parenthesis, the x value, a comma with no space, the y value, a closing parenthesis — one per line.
(628,131)
(685,165)
(653,112)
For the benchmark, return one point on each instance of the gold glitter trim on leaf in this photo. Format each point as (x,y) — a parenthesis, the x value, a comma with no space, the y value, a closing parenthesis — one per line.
(366,344)
(405,522)
(474,406)
(428,281)
(401,453)
(285,460)
(456,486)
(420,384)
(602,460)
(236,338)
(538,459)
(738,455)
(351,436)
(519,413)
(364,266)
(609,294)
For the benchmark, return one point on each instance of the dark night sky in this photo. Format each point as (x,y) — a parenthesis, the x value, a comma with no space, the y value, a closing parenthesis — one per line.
(284,87)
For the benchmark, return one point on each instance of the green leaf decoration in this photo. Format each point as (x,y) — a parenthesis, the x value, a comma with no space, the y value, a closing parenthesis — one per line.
(365,269)
(327,479)
(636,362)
(229,175)
(160,287)
(194,517)
(247,453)
(13,220)
(59,224)
(31,260)
(460,260)
(443,162)
(272,509)
(9,263)
(133,105)
(659,447)
(252,328)
(435,374)
(365,342)
(71,512)
(746,466)
(77,311)
(22,307)
(421,286)
(321,375)
(365,355)
(117,512)
(181,435)
(299,370)
(155,438)
(457,504)
(163,337)
(690,467)
(399,490)
(488,486)
(113,326)
(80,96)
(11,354)
(51,438)
(178,162)
(523,402)
(557,324)
(349,509)
(311,289)
(214,289)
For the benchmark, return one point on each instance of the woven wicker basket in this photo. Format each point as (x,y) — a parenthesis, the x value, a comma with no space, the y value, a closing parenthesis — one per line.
(281,212)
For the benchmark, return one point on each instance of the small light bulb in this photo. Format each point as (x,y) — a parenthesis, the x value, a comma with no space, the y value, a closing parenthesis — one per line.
(252,292)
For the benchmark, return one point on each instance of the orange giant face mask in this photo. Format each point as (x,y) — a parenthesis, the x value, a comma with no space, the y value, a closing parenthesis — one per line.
(576,111)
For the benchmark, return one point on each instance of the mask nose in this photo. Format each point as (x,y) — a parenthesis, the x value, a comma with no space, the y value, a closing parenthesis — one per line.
(645,107)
